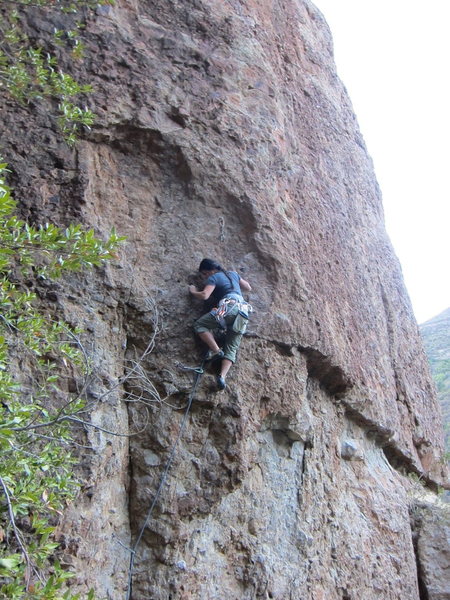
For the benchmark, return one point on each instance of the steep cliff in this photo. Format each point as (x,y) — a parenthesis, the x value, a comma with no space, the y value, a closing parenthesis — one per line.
(223,131)
(436,338)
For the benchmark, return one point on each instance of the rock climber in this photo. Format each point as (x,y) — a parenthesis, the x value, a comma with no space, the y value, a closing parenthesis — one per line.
(230,311)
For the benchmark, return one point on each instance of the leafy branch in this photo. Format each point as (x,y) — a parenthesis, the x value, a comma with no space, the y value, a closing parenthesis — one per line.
(38,355)
(29,72)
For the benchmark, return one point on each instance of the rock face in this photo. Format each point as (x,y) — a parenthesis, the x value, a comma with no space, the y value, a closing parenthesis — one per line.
(436,338)
(431,524)
(223,131)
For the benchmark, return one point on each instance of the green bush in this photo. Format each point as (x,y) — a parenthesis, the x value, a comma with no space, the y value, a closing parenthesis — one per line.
(29,73)
(38,354)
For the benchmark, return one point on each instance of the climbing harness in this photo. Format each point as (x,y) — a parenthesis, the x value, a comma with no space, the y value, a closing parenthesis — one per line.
(197,378)
(220,312)
(225,305)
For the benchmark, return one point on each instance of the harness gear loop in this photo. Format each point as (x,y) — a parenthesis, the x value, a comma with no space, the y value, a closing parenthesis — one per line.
(225,305)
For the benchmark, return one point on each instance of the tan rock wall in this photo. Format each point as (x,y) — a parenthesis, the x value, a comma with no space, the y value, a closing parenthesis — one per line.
(292,520)
(224,131)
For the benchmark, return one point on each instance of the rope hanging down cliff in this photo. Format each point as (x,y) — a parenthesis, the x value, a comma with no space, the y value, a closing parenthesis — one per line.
(197,378)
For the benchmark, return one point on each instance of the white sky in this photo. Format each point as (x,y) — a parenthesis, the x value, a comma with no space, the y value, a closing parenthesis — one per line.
(393,57)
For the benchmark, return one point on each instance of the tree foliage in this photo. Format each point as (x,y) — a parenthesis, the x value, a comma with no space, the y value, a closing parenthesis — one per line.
(39,354)
(29,72)
(42,359)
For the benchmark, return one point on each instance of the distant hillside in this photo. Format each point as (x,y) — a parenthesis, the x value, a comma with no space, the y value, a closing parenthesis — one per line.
(436,337)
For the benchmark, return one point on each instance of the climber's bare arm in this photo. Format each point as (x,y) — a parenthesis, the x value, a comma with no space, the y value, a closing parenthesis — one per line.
(204,294)
(245,286)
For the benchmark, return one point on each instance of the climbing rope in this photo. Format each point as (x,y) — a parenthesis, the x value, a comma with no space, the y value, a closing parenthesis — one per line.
(198,371)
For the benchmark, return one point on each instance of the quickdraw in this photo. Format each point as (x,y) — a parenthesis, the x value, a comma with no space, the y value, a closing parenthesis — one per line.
(199,370)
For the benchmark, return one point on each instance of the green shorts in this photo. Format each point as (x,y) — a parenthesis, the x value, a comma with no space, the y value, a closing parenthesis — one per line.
(232,339)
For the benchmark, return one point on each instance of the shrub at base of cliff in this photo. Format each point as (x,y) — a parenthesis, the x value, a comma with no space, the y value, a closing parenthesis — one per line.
(39,356)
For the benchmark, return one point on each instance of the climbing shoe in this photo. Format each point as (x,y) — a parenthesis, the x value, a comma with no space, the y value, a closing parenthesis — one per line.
(211,356)
(221,385)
